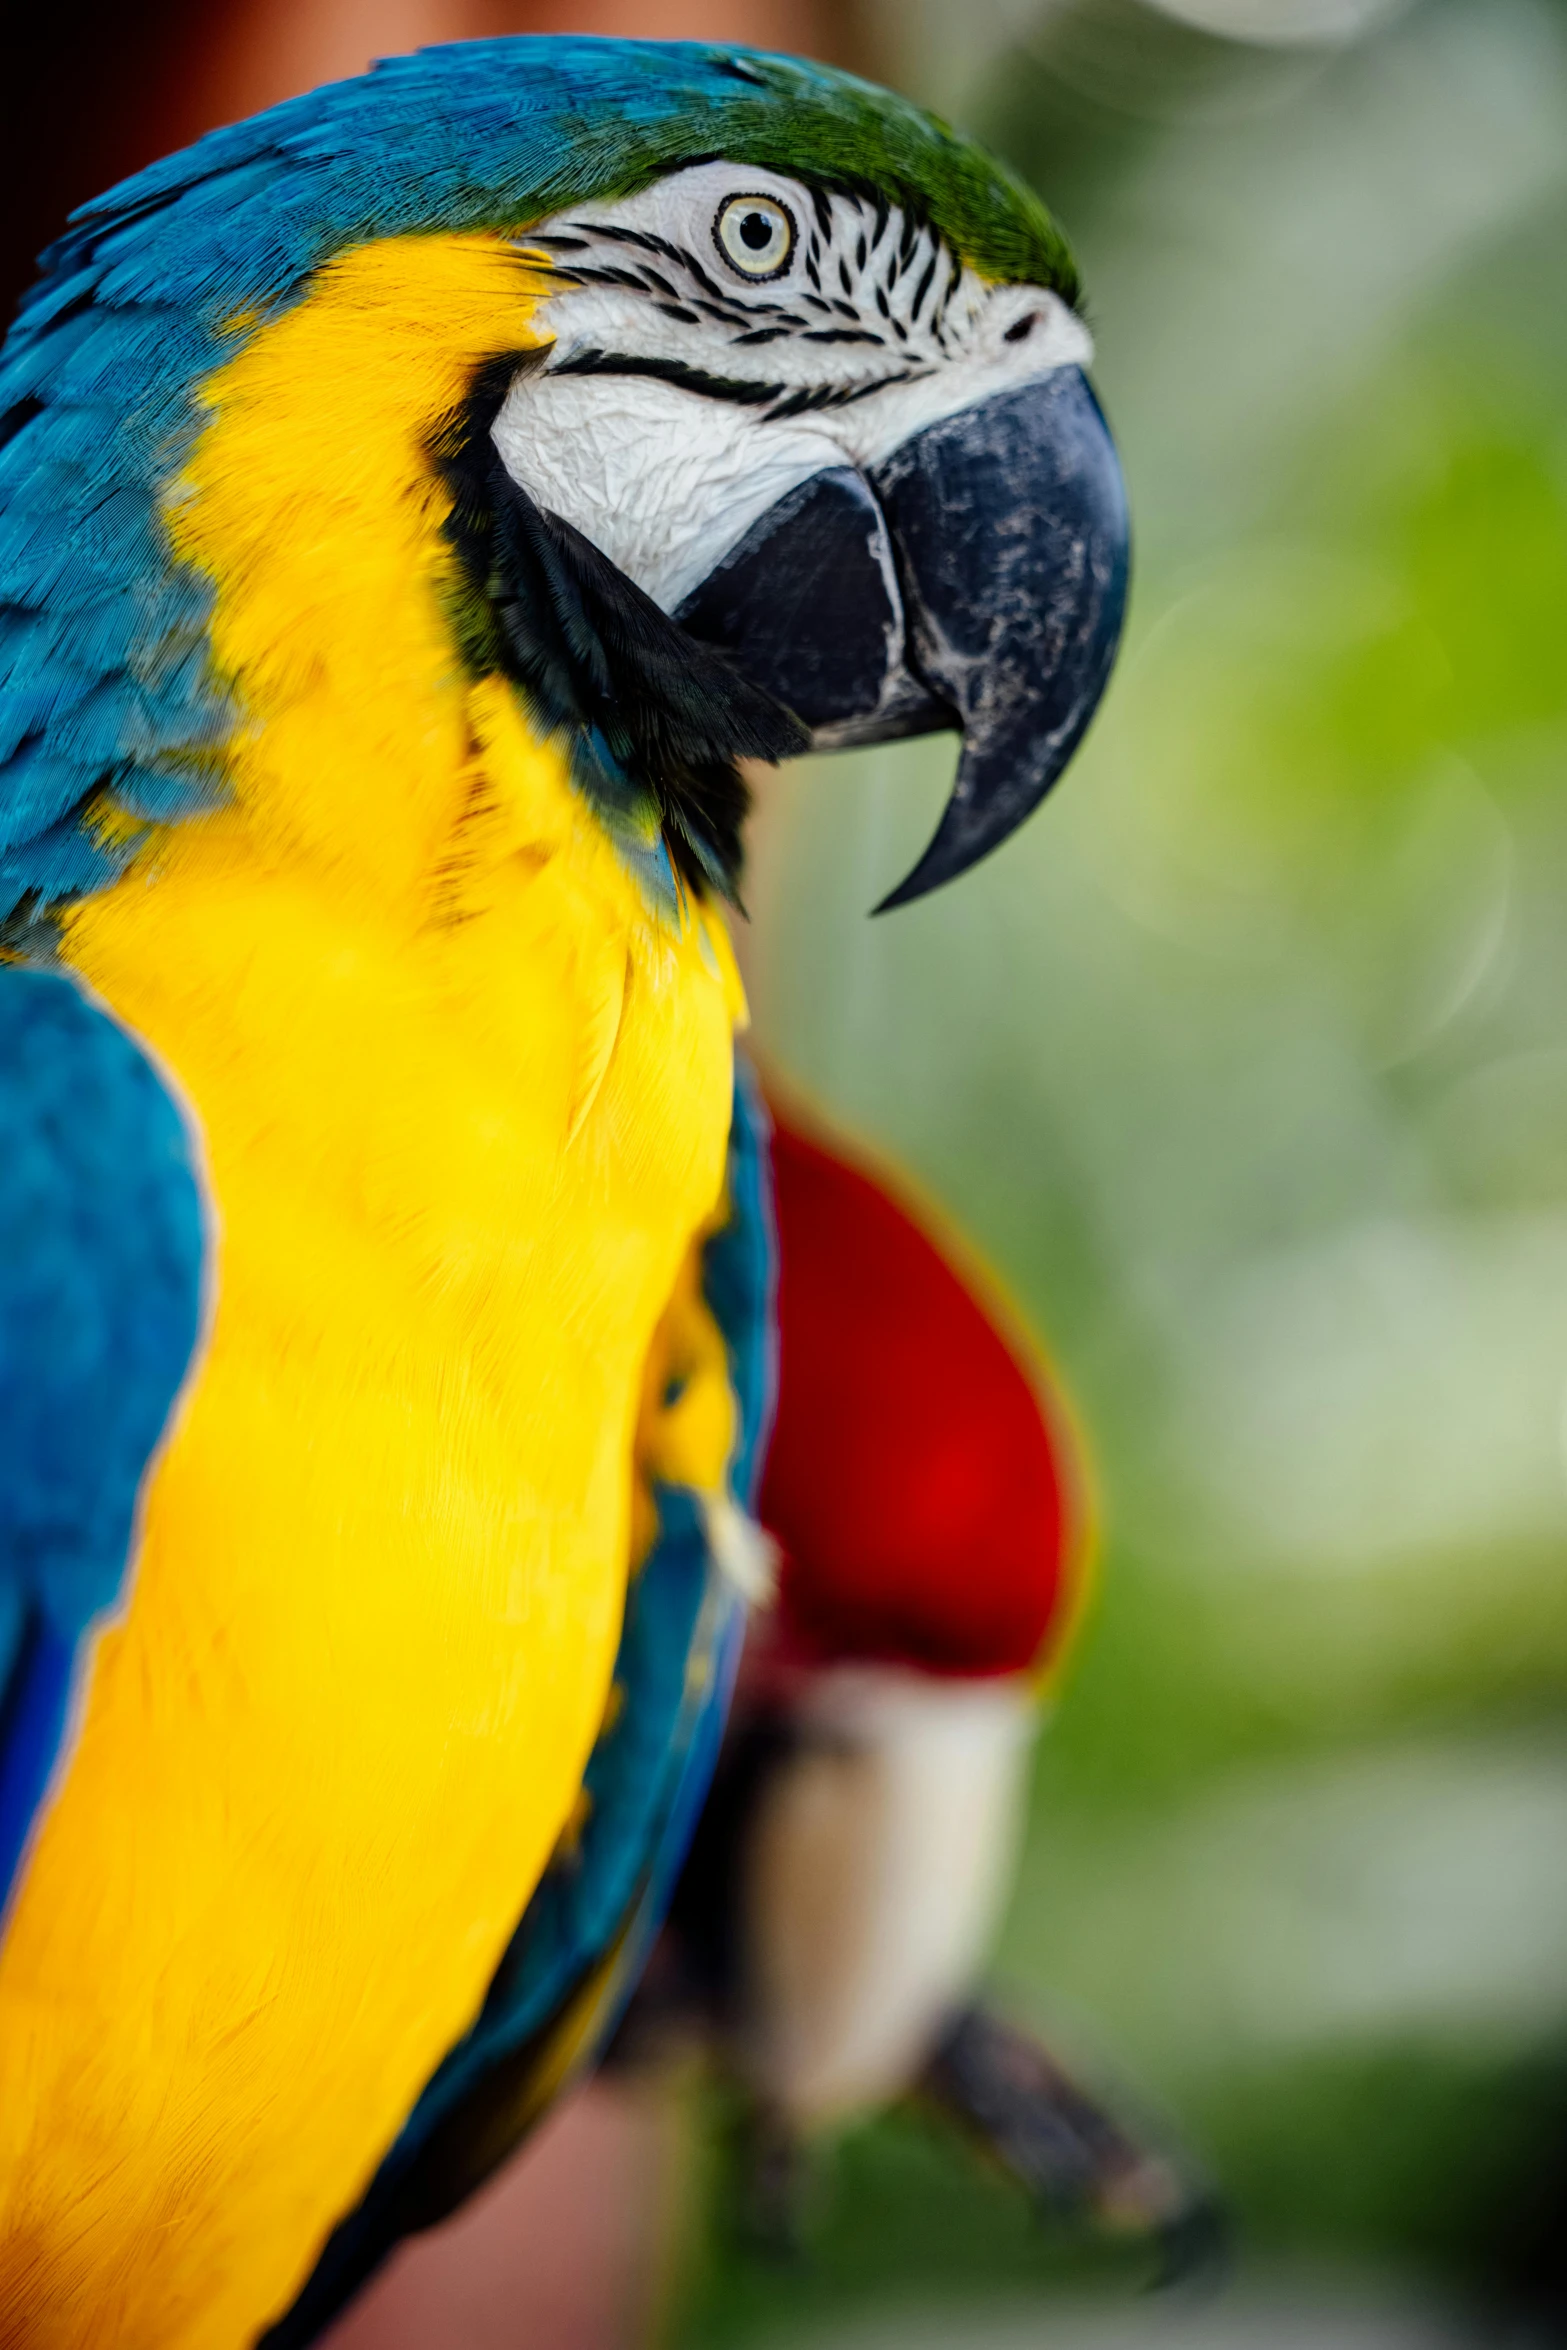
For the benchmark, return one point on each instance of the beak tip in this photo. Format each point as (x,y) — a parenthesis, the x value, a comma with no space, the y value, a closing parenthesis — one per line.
(917,883)
(1011,519)
(975,578)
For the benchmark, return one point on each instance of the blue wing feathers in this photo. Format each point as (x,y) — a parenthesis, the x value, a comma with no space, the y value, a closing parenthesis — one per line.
(101,1250)
(740,1282)
(60,862)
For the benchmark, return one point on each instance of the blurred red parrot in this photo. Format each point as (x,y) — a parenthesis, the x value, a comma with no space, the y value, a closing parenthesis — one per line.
(927,1493)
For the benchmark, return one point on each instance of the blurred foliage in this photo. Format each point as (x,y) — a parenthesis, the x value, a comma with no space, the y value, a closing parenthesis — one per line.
(903,2219)
(1247,1064)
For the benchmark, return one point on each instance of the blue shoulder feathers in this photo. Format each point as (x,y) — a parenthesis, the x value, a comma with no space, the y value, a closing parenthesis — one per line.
(101,1246)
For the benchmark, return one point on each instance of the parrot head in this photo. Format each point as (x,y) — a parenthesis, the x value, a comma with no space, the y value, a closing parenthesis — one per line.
(832,447)
(718,404)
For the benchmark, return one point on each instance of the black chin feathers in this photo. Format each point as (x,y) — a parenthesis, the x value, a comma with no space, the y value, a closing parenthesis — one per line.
(653,721)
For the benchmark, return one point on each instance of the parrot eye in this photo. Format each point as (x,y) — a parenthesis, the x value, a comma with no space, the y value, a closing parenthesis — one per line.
(755,235)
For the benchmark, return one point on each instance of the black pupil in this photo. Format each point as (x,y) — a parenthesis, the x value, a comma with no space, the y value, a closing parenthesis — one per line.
(756,230)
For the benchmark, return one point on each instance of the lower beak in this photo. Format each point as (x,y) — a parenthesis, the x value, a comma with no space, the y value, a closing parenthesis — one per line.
(973,581)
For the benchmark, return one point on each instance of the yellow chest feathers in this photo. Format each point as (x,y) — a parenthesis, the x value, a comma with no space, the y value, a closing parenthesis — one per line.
(463,1092)
(463,1097)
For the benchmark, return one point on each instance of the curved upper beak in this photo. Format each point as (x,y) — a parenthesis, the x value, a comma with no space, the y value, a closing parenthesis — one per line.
(975,580)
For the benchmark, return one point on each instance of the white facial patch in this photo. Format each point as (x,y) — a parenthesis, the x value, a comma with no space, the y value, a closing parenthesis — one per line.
(727,333)
(665,483)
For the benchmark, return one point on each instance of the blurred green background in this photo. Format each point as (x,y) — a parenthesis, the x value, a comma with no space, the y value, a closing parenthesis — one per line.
(1247,1064)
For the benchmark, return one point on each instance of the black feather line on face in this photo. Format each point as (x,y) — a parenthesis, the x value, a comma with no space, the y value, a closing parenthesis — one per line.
(723,303)
(604,273)
(954,276)
(741,391)
(642,707)
(923,288)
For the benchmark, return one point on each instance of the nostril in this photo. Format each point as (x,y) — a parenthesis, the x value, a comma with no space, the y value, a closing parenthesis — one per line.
(1021,328)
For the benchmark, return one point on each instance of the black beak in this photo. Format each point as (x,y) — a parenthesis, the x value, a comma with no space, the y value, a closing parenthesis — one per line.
(975,581)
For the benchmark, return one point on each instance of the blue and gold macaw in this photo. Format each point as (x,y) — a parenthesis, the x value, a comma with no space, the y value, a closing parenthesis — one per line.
(413,504)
